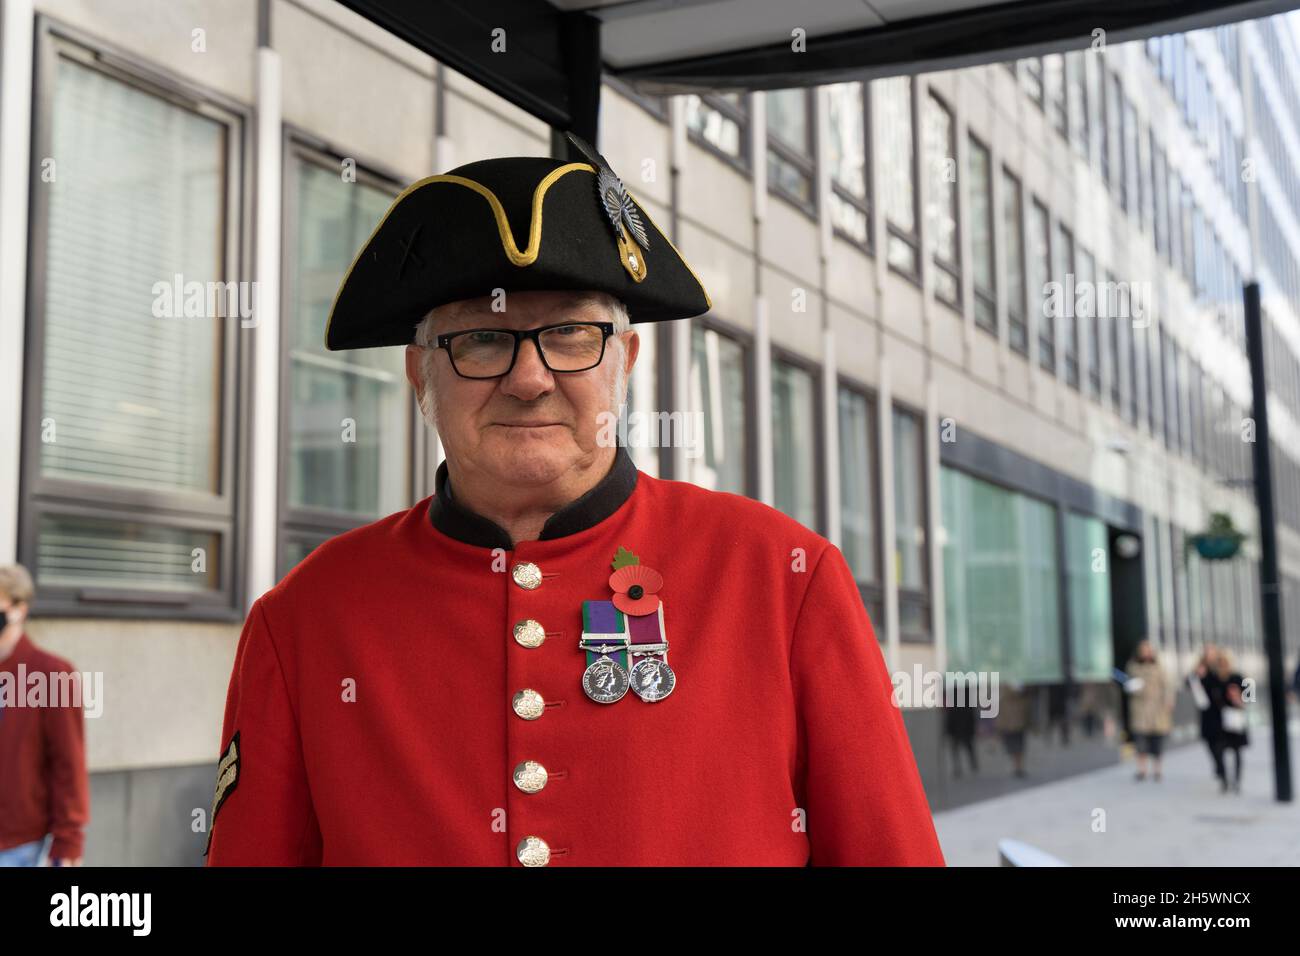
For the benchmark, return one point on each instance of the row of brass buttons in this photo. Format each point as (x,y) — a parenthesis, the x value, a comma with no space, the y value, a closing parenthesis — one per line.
(529,776)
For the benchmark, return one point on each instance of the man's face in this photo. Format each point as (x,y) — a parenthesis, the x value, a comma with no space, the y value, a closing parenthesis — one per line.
(532,425)
(14,612)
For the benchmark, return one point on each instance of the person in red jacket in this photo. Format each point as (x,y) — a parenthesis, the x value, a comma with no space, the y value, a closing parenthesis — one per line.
(556,659)
(44,789)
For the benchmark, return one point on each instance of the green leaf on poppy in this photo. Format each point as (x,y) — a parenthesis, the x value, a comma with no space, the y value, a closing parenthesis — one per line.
(625,558)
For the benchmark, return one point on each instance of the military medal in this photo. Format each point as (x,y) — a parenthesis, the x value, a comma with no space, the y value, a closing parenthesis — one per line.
(651,677)
(636,594)
(604,640)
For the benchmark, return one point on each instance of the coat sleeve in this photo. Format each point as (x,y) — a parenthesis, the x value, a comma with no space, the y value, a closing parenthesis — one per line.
(65,736)
(856,775)
(262,812)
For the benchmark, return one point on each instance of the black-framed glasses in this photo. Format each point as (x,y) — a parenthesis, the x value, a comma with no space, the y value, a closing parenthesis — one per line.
(491,353)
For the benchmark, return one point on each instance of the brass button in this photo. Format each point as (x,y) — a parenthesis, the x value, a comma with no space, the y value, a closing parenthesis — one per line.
(529,633)
(533,851)
(527,575)
(528,704)
(530,776)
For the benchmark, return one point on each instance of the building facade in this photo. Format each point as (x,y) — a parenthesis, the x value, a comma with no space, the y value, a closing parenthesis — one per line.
(981,328)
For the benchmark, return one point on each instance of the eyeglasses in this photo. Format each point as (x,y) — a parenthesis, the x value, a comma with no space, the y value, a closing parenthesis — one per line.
(491,353)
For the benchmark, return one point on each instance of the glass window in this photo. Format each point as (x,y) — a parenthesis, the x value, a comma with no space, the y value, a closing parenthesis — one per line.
(1064,275)
(138,229)
(857,484)
(1054,91)
(1014,229)
(1149,348)
(941,206)
(1089,316)
(718,389)
(721,121)
(1087,567)
(980,178)
(1160,199)
(1039,265)
(1077,101)
(898,159)
(349,414)
(1103,117)
(1109,302)
(1137,369)
(794,442)
(1001,581)
(1132,195)
(850,196)
(909,501)
(1031,78)
(789,145)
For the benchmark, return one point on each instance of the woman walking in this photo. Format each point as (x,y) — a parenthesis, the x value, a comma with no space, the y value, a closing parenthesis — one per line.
(1233,735)
(1205,688)
(1151,707)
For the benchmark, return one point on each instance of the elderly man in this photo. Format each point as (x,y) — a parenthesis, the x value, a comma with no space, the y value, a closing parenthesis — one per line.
(555,659)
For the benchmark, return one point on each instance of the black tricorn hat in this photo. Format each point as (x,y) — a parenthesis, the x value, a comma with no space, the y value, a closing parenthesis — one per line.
(517,223)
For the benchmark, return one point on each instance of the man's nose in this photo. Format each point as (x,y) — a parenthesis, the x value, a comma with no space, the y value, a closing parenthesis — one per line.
(530,377)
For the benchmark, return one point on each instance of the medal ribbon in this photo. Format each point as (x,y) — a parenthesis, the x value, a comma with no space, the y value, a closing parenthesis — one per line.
(603,623)
(648,629)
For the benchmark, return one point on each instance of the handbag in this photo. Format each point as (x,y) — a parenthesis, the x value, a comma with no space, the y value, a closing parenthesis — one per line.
(1199,697)
(1234,720)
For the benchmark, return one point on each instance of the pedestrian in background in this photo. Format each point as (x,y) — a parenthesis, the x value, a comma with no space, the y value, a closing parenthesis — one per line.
(1013,721)
(1233,735)
(1203,684)
(44,789)
(1151,706)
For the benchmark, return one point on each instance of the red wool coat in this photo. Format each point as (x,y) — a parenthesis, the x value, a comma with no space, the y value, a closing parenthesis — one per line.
(371,715)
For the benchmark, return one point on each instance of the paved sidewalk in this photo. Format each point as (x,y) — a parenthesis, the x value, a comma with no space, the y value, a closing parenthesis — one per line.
(1182,821)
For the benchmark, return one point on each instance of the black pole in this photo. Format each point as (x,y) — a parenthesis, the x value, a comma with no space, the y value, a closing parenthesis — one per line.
(1268,546)
(580,48)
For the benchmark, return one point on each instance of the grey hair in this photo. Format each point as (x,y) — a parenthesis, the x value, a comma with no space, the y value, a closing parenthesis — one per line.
(426,337)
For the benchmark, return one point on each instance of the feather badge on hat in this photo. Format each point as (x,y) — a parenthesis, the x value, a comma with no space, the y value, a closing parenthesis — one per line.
(629,231)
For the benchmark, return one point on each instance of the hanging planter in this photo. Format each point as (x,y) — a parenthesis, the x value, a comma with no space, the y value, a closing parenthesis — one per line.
(1220,541)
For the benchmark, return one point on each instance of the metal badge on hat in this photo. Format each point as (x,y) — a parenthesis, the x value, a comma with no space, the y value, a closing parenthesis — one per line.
(629,231)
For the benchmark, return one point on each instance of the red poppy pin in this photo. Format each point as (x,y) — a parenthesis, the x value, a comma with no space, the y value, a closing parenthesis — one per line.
(635,586)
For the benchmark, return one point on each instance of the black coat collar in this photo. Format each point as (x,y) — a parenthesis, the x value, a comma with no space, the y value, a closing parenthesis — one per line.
(458,522)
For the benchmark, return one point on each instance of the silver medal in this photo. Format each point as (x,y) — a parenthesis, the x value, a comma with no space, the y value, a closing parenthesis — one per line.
(652,679)
(605,680)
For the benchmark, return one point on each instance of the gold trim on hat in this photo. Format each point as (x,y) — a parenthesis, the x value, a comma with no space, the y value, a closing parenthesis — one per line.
(525,257)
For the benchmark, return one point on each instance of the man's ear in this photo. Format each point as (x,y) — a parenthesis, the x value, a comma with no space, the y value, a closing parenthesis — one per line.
(632,346)
(413,370)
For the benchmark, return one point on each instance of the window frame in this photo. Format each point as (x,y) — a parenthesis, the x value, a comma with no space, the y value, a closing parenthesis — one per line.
(1043,325)
(742,116)
(711,322)
(807,165)
(952,269)
(896,232)
(779,353)
(223,513)
(296,524)
(1010,178)
(988,297)
(923,598)
(872,591)
(866,204)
